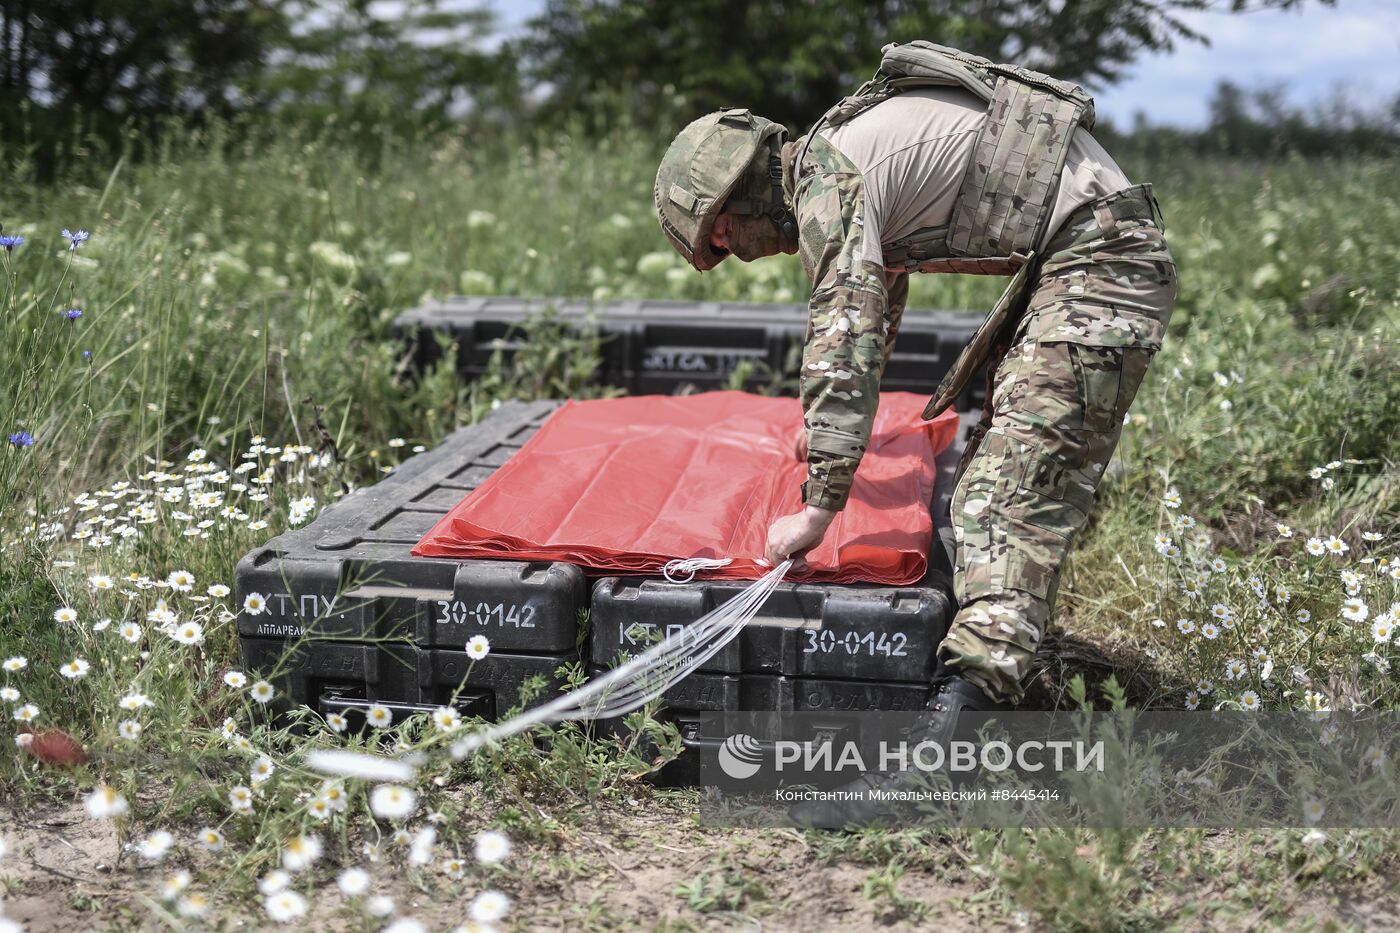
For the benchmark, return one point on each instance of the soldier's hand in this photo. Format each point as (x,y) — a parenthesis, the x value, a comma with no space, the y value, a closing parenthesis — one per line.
(796,534)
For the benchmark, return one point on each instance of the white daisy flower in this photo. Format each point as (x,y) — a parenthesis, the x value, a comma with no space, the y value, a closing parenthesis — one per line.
(1218,565)
(492,847)
(65,615)
(1335,546)
(154,846)
(262,691)
(478,647)
(189,633)
(26,713)
(1210,631)
(301,852)
(1222,613)
(285,906)
(274,881)
(218,591)
(262,770)
(454,868)
(1284,531)
(236,679)
(16,664)
(353,882)
(333,793)
(129,729)
(1317,702)
(1303,616)
(381,905)
(130,631)
(75,669)
(1355,610)
(104,803)
(1249,701)
(193,905)
(240,798)
(1172,499)
(1315,547)
(254,604)
(379,716)
(1382,630)
(9,694)
(1313,809)
(446,718)
(174,885)
(489,907)
(1235,669)
(210,839)
(181,581)
(336,722)
(101,582)
(1185,626)
(392,801)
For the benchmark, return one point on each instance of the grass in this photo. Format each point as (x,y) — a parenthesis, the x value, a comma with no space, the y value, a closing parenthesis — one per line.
(236,298)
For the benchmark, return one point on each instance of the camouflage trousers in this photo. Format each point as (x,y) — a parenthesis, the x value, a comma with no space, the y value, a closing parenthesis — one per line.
(1096,312)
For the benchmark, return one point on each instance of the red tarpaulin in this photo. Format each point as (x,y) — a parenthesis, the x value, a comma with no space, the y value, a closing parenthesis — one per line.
(625,485)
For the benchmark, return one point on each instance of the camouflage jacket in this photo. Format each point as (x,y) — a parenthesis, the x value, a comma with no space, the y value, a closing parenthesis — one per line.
(854,313)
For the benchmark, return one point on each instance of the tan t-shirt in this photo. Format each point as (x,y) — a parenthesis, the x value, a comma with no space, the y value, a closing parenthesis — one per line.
(913,151)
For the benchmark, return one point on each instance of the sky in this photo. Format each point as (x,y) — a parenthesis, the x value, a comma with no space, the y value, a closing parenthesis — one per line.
(1354,45)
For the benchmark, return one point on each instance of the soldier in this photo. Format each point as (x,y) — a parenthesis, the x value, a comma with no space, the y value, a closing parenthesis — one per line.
(947,162)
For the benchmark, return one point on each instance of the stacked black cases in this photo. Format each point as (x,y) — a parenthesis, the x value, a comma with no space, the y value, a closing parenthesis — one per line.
(811,648)
(352,618)
(660,347)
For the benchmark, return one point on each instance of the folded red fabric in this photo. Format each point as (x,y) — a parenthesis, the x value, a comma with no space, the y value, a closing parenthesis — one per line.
(622,486)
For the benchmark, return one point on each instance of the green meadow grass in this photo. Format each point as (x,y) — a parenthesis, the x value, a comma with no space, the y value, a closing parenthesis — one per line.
(236,300)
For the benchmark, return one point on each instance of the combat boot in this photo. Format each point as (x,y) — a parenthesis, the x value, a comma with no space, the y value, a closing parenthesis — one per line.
(854,805)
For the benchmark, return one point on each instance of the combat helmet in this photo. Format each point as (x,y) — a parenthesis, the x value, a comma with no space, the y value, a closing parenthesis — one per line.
(703,166)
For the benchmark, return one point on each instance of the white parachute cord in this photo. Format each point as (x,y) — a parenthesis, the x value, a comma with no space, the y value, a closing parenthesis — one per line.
(645,677)
(688,565)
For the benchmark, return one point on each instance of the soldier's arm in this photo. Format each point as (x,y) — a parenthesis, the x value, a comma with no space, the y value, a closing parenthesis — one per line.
(846,343)
(897,296)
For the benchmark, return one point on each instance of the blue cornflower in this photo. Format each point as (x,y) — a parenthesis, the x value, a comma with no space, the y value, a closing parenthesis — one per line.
(21,439)
(87,354)
(74,313)
(76,239)
(10,242)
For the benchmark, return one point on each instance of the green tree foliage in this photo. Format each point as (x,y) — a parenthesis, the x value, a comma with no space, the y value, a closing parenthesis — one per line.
(790,59)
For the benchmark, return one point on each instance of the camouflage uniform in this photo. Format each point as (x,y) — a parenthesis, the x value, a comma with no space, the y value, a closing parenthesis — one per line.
(1098,302)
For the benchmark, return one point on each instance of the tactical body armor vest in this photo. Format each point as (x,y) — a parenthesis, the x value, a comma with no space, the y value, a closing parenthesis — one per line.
(1008,192)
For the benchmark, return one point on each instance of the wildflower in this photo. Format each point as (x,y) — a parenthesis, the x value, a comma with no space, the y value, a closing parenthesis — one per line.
(24,739)
(446,718)
(218,591)
(261,691)
(101,582)
(1191,588)
(22,439)
(1355,610)
(1160,541)
(73,313)
(1249,701)
(1222,613)
(16,664)
(1283,530)
(8,243)
(274,881)
(135,701)
(478,647)
(1303,616)
(240,799)
(1374,756)
(193,905)
(1313,838)
(319,809)
(129,729)
(65,615)
(190,633)
(1184,523)
(104,803)
(1283,594)
(1335,546)
(1313,809)
(492,847)
(453,868)
(1209,631)
(1218,565)
(1317,702)
(1171,551)
(1172,499)
(26,713)
(75,669)
(9,694)
(262,769)
(1315,547)
(301,852)
(130,631)
(181,581)
(392,801)
(420,848)
(353,882)
(1158,623)
(254,604)
(235,679)
(174,885)
(489,907)
(1235,669)
(1381,630)
(336,722)
(333,793)
(1185,626)
(1193,700)
(154,846)
(211,839)
(379,716)
(381,905)
(285,906)
(75,238)
(1371,536)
